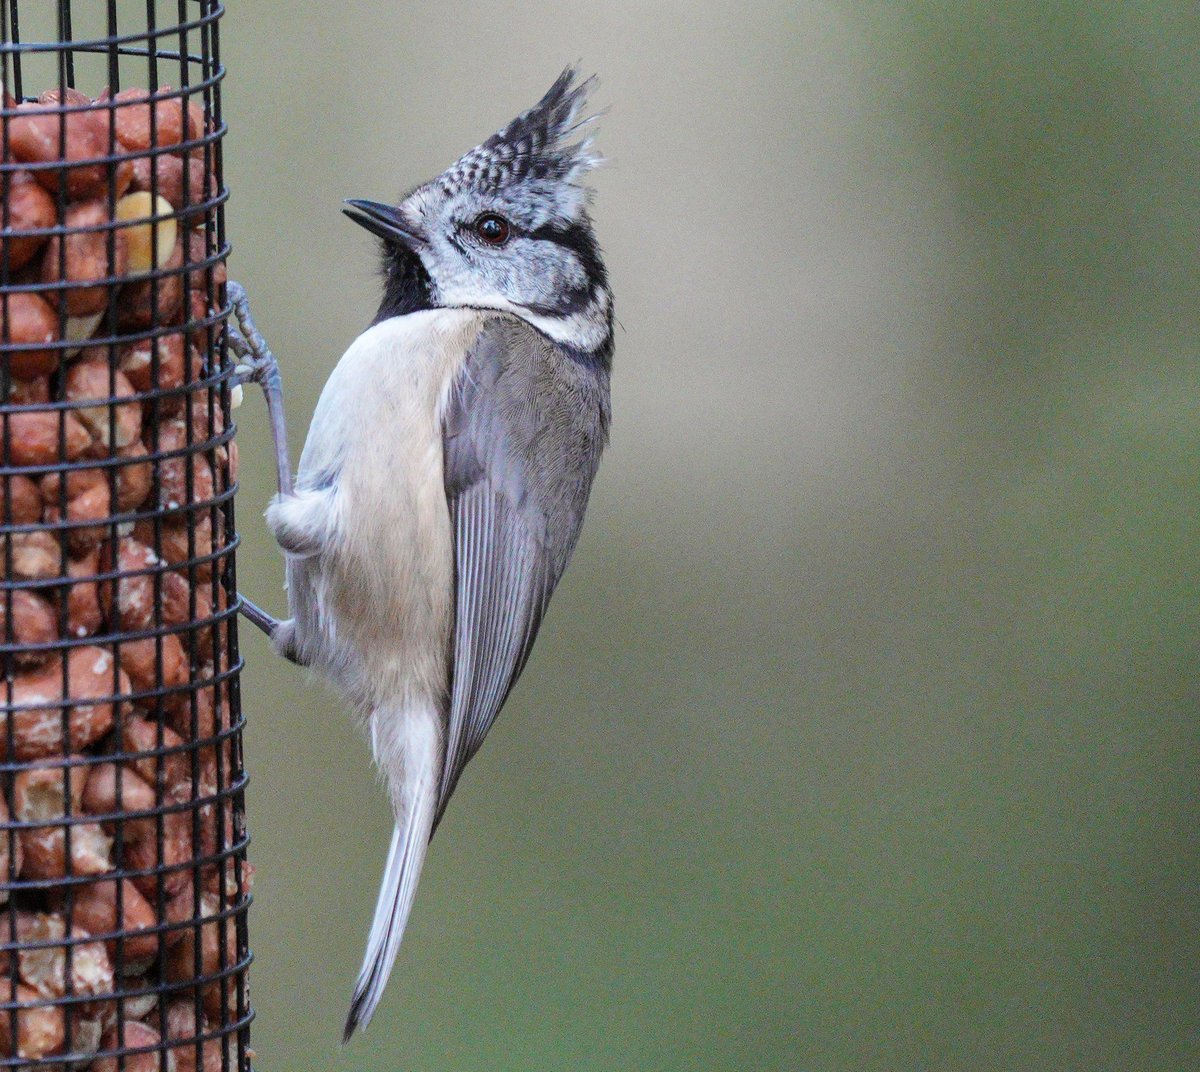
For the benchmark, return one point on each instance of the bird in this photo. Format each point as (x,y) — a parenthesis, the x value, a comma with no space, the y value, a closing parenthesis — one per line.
(447,468)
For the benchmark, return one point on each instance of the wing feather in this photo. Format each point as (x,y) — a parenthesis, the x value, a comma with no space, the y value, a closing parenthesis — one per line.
(523,433)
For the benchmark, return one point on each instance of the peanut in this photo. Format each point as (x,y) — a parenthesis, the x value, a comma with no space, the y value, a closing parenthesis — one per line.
(33,436)
(217,941)
(141,736)
(30,208)
(149,241)
(169,174)
(82,257)
(70,95)
(33,624)
(79,481)
(136,1036)
(171,122)
(234,877)
(86,1031)
(204,610)
(198,252)
(173,541)
(110,423)
(36,555)
(29,322)
(133,479)
(147,302)
(137,596)
(208,720)
(90,505)
(83,600)
(24,503)
(139,659)
(173,475)
(141,853)
(184,1032)
(137,362)
(102,797)
(36,722)
(28,392)
(43,966)
(79,329)
(36,137)
(40,1027)
(40,795)
(95,910)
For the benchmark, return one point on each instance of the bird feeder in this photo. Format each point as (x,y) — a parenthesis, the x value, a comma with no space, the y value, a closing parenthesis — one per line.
(123,881)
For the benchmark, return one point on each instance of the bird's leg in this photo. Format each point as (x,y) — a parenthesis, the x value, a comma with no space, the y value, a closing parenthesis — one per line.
(257,364)
(271,626)
(260,617)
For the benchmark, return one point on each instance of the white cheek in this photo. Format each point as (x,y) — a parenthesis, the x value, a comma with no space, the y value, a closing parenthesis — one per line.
(468,291)
(531,273)
(458,284)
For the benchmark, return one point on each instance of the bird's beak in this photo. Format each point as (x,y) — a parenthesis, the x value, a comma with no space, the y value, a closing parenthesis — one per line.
(383,221)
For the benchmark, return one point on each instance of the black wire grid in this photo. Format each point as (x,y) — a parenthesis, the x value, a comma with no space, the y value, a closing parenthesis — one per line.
(123,880)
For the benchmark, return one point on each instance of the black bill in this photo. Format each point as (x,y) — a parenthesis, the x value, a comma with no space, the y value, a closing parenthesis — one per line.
(384,221)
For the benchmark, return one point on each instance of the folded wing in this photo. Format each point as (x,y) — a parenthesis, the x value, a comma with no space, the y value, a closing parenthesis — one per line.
(524,428)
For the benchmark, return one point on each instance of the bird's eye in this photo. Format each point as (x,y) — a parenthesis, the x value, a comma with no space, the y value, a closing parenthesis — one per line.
(493,229)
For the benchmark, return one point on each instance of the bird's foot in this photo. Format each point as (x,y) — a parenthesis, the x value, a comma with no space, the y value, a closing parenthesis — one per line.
(256,364)
(280,633)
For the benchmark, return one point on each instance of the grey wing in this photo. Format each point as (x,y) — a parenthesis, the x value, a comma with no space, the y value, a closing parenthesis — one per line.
(524,428)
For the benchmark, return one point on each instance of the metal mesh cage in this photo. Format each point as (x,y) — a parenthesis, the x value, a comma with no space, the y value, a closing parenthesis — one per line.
(123,880)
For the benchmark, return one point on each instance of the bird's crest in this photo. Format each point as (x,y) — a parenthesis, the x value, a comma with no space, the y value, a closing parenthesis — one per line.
(534,146)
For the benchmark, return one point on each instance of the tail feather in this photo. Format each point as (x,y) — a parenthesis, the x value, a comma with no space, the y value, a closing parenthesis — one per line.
(410,839)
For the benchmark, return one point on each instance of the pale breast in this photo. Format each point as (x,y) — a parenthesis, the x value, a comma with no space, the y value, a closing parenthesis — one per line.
(385,583)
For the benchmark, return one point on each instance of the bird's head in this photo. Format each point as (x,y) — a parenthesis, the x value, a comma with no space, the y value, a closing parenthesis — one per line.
(505,227)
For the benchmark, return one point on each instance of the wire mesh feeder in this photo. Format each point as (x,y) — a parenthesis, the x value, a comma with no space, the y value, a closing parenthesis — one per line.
(122,843)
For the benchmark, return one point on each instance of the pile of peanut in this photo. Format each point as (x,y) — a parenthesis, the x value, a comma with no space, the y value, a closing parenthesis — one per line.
(111,769)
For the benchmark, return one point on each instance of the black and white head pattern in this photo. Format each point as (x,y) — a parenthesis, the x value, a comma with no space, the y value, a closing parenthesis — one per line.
(507,227)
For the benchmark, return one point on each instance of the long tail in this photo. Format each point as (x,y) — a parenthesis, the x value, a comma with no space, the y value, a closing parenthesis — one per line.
(408,750)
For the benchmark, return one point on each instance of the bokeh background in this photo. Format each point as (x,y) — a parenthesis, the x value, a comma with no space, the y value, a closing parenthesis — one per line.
(862,732)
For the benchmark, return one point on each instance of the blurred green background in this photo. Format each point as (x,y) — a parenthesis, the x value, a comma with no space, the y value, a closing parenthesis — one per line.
(862,732)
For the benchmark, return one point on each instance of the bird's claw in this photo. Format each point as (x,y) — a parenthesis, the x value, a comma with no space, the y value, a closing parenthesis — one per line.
(253,369)
(256,364)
